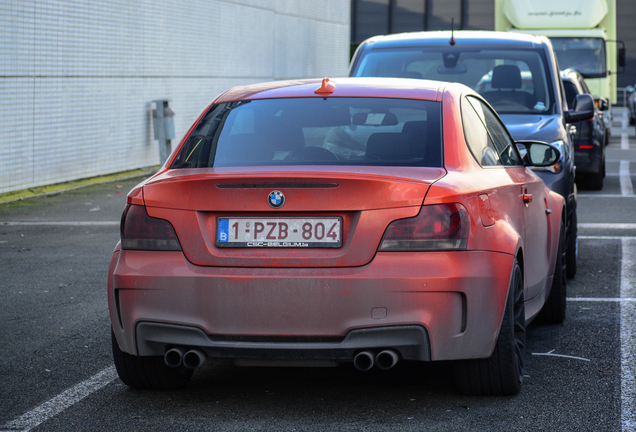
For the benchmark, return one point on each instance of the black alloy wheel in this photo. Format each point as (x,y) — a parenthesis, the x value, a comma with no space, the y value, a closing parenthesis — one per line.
(502,373)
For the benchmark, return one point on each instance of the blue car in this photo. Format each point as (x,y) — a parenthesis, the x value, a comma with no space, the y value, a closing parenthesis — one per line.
(517,74)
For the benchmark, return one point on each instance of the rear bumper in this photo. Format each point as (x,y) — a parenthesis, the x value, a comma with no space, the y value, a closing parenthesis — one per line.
(410,341)
(427,306)
(588,161)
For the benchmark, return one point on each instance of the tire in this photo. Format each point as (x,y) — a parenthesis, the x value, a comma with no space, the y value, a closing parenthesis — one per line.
(595,181)
(502,373)
(554,309)
(572,249)
(148,372)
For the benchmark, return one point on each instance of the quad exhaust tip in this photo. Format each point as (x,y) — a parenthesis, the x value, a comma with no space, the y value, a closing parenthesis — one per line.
(385,360)
(178,356)
(363,361)
(193,358)
(174,357)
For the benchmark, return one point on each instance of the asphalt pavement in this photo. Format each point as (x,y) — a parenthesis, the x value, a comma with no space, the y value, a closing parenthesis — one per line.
(56,369)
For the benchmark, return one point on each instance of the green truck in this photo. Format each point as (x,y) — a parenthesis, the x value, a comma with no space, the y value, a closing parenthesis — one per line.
(583,35)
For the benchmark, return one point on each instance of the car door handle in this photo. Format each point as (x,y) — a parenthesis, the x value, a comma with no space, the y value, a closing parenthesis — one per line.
(527,198)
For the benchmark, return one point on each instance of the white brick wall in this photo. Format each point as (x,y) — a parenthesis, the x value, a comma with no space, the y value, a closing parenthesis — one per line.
(77,77)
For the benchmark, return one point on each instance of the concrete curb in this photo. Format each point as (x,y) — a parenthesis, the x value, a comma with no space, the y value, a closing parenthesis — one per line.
(58,188)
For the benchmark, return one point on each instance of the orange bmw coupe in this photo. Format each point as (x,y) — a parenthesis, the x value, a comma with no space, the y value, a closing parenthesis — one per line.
(320,222)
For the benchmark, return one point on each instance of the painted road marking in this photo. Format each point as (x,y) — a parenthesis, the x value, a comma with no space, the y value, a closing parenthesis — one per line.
(628,336)
(604,237)
(604,196)
(61,402)
(602,299)
(62,223)
(627,301)
(627,189)
(624,136)
(624,141)
(607,225)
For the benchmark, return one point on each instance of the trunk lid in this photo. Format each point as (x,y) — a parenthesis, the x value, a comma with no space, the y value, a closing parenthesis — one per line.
(365,199)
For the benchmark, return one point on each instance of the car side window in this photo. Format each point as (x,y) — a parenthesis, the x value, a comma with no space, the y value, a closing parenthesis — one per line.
(504,144)
(570,93)
(479,140)
(496,147)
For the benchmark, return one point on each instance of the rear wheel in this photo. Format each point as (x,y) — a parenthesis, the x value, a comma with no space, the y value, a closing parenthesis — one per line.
(553,311)
(148,372)
(502,373)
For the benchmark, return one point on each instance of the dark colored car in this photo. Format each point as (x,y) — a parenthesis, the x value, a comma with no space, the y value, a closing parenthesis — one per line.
(517,74)
(589,136)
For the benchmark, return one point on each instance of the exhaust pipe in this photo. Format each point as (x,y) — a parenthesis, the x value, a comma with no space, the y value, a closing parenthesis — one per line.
(193,358)
(363,361)
(174,357)
(386,359)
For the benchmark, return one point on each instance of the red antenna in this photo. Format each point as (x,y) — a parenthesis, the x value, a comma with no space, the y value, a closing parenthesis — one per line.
(327,87)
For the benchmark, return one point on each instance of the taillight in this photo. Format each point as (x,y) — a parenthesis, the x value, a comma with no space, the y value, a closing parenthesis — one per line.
(142,232)
(436,227)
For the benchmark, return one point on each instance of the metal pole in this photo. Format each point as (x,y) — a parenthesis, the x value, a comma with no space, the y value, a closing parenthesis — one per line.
(161,131)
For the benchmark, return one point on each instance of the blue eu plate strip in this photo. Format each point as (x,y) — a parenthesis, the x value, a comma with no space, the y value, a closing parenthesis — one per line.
(223,230)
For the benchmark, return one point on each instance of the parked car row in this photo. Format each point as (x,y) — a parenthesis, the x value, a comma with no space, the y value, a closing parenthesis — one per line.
(367,220)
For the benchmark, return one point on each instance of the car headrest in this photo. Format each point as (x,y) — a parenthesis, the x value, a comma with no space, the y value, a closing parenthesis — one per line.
(414,127)
(506,76)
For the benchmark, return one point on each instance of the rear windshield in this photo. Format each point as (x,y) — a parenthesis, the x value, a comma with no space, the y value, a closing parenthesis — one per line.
(513,81)
(316,131)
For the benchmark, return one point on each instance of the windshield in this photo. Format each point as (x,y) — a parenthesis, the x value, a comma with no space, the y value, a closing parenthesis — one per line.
(316,131)
(585,55)
(512,81)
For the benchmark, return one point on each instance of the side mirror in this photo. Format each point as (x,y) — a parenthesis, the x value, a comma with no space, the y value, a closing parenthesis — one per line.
(583,109)
(538,154)
(602,104)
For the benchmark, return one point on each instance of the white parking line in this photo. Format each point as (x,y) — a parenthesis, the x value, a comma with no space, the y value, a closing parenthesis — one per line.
(604,196)
(604,237)
(61,402)
(607,225)
(602,299)
(627,189)
(628,336)
(624,141)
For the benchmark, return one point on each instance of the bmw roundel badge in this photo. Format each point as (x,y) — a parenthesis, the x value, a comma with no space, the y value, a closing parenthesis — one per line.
(276,199)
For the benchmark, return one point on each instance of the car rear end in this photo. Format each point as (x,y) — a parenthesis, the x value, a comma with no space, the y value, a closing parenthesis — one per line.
(291,227)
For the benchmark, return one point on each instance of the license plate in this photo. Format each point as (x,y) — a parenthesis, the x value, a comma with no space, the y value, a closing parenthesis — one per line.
(301,232)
